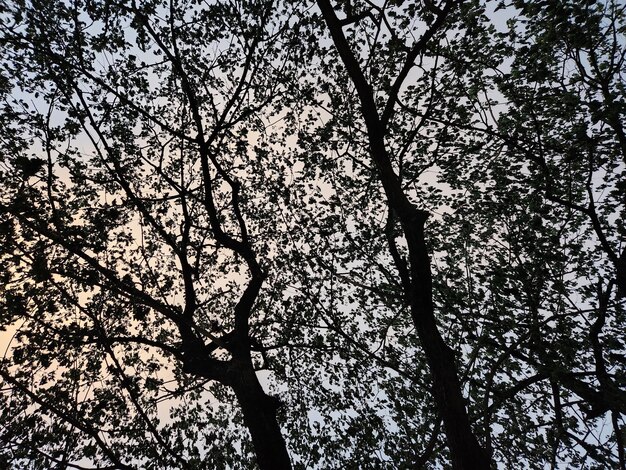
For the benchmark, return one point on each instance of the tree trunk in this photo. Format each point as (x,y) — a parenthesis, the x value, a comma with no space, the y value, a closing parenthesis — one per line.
(259,414)
(465,450)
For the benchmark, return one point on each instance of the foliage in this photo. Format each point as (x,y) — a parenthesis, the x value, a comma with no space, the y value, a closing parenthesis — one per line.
(206,259)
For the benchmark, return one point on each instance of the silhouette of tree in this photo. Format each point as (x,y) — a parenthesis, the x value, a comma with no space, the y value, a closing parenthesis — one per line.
(331,234)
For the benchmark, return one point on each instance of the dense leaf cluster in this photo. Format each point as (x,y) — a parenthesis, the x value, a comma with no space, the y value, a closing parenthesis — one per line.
(348,234)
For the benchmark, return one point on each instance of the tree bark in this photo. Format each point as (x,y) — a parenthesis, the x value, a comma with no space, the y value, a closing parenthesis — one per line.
(259,415)
(258,408)
(465,450)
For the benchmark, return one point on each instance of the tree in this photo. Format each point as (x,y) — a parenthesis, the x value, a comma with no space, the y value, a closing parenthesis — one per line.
(454,118)
(415,273)
(127,231)
(321,234)
(548,287)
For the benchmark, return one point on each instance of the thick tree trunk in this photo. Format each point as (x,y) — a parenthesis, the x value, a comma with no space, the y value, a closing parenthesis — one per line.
(465,450)
(259,414)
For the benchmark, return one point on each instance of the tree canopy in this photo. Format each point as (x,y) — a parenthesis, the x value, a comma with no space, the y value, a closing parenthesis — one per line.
(312,234)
